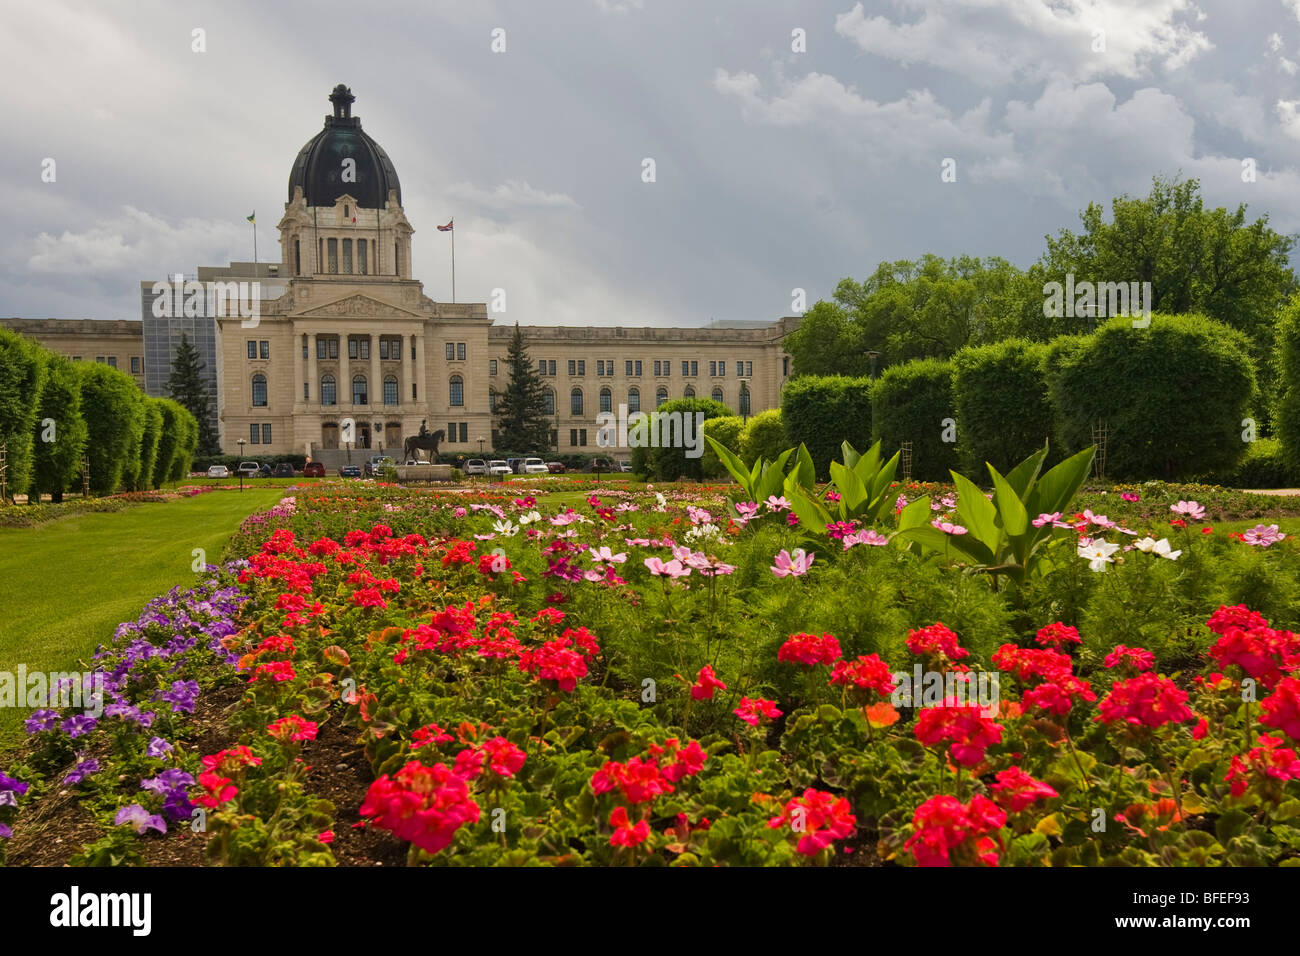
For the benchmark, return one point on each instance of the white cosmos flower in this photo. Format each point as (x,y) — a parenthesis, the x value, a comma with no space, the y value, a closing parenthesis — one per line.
(1161,547)
(507,528)
(530,517)
(1097,553)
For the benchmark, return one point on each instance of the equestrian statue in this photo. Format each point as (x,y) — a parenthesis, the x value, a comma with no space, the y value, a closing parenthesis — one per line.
(426,440)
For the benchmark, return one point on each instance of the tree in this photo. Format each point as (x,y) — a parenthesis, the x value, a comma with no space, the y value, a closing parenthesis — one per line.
(153,426)
(59,446)
(185,385)
(522,422)
(22,376)
(113,407)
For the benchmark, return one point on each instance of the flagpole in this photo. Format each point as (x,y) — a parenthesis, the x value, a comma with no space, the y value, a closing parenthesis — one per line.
(453,261)
(253,223)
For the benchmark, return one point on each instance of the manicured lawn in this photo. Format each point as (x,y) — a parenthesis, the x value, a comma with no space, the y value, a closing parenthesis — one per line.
(66,585)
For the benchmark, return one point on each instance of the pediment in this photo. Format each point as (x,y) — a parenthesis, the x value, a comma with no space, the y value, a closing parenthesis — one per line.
(357,304)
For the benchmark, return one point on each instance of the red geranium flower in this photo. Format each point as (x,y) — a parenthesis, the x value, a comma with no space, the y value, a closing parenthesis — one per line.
(1145,701)
(821,819)
(1016,790)
(809,650)
(948,831)
(750,711)
(706,684)
(625,834)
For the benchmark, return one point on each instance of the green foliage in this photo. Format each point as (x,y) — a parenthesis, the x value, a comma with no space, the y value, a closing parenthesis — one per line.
(521,419)
(1265,465)
(185,385)
(113,408)
(58,462)
(763,437)
(727,430)
(1173,395)
(1000,403)
(1286,421)
(669,461)
(187,447)
(22,376)
(149,441)
(823,412)
(910,402)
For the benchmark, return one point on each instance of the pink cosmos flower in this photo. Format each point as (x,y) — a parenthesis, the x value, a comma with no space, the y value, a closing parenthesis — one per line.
(1262,535)
(777,504)
(867,536)
(746,509)
(605,554)
(947,527)
(673,569)
(792,564)
(1191,509)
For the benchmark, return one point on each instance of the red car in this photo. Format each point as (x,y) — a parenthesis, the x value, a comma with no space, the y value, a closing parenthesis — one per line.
(313,469)
(556,467)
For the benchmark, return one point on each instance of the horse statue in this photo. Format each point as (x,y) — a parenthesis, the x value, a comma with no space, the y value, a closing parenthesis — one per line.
(429,442)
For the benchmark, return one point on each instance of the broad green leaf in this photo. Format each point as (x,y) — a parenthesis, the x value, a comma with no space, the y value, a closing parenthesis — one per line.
(1011,510)
(812,516)
(1021,477)
(805,471)
(731,463)
(853,494)
(1056,489)
(850,455)
(953,546)
(977,513)
(915,514)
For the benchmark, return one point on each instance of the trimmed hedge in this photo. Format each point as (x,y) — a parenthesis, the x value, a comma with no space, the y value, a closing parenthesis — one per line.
(910,402)
(763,437)
(824,411)
(727,431)
(1001,405)
(1173,395)
(58,462)
(152,436)
(1286,415)
(188,443)
(113,407)
(670,464)
(22,376)
(1265,465)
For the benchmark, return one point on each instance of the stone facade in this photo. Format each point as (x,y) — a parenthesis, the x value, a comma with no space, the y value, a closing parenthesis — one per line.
(115,342)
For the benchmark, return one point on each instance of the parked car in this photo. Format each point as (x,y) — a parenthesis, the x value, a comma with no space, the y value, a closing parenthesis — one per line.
(513,464)
(476,466)
(218,471)
(625,467)
(556,467)
(534,466)
(376,464)
(313,469)
(264,470)
(603,464)
(416,461)
(497,467)
(283,470)
(247,468)
(349,471)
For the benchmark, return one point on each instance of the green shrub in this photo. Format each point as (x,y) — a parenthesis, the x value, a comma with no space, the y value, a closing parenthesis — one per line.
(824,411)
(152,436)
(58,462)
(1172,395)
(1265,465)
(672,463)
(1000,402)
(725,430)
(187,448)
(22,376)
(113,408)
(1286,415)
(763,437)
(912,401)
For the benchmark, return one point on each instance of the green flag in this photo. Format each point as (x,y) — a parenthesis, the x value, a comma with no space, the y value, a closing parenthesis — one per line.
(253,218)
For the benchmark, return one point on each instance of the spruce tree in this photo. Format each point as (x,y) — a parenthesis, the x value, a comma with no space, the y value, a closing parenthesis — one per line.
(185,385)
(522,422)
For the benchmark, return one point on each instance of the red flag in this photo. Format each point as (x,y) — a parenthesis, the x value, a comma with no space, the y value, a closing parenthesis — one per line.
(446,228)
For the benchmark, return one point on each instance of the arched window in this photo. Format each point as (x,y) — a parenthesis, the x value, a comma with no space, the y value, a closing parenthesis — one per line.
(575,402)
(548,404)
(690,392)
(457,397)
(359,395)
(259,390)
(661,396)
(390,389)
(606,400)
(492,399)
(744,401)
(328,390)
(717,395)
(633,400)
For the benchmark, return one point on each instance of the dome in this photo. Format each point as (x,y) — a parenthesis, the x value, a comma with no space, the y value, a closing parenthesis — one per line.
(319,167)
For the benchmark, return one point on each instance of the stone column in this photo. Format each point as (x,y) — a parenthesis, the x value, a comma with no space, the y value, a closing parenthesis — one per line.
(297,402)
(313,375)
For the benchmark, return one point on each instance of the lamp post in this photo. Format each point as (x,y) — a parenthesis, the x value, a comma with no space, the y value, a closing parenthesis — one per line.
(240,443)
(873,356)
(481,440)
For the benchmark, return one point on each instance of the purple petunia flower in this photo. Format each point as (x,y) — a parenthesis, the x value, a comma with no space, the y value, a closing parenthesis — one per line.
(80,725)
(157,747)
(40,720)
(81,771)
(140,818)
(172,779)
(5,832)
(181,696)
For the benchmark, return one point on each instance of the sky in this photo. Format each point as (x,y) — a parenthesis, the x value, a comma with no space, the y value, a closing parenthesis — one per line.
(793,144)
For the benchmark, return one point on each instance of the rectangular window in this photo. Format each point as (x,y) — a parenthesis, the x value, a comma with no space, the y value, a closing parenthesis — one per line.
(304,348)
(541,366)
(266,434)
(695,369)
(582,437)
(722,368)
(76,358)
(395,350)
(413,393)
(451,431)
(627,367)
(254,434)
(638,368)
(365,347)
(668,367)
(582,366)
(266,349)
(362,261)
(492,366)
(347,256)
(334,346)
(460,351)
(135,365)
(352,348)
(600,366)
(555,438)
(112,361)
(332,247)
(749,370)
(320,347)
(552,367)
(573,366)
(686,368)
(740,368)
(573,437)
(464,432)
(297,257)
(383,349)
(713,368)
(306,391)
(451,351)
(656,367)
(252,348)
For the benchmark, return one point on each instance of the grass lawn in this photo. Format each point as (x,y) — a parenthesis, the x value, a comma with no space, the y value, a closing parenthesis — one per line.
(66,585)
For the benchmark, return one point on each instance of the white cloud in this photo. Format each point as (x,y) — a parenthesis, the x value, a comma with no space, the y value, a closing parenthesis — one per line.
(511,194)
(993,43)
(1288,114)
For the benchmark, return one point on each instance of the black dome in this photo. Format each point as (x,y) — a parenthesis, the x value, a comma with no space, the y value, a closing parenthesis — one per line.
(319,166)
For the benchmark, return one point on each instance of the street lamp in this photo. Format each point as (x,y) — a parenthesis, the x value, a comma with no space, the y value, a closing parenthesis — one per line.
(240,443)
(873,356)
(481,440)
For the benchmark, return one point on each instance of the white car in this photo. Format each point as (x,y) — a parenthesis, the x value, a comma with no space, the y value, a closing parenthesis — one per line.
(413,461)
(535,466)
(218,471)
(498,468)
(249,469)
(476,466)
(625,467)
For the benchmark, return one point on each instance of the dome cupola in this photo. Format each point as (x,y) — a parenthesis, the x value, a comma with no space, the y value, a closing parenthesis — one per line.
(322,168)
